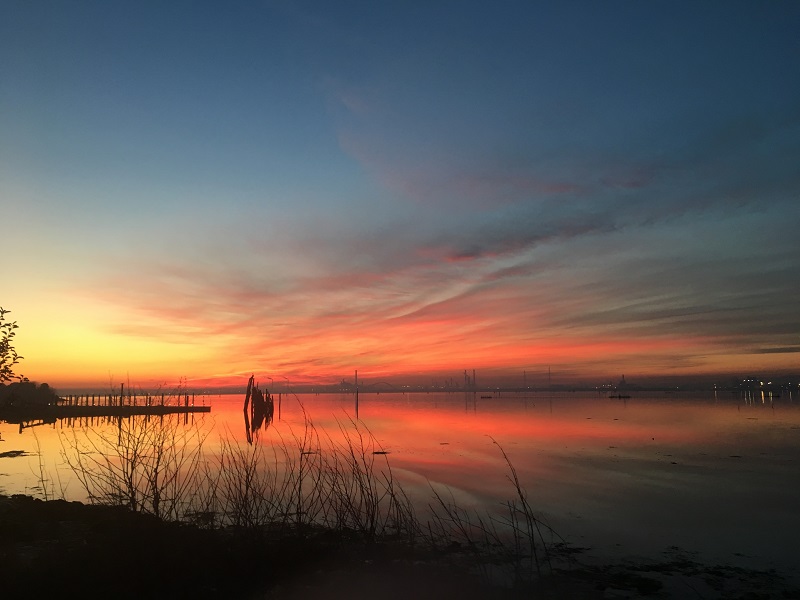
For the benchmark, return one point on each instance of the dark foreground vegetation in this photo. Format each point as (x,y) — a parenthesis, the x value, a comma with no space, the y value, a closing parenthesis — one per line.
(67,549)
(306,514)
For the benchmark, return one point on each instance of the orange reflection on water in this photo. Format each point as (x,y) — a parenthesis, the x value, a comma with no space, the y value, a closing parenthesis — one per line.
(647,471)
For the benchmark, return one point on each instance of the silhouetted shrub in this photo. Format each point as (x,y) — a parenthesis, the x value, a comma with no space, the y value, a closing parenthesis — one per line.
(27,393)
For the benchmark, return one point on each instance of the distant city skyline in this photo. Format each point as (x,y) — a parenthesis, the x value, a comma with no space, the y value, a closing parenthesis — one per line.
(297,190)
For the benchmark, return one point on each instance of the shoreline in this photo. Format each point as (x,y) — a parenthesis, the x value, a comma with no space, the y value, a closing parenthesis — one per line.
(98,550)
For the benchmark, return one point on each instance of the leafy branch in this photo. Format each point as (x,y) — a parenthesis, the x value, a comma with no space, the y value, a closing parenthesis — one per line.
(8,354)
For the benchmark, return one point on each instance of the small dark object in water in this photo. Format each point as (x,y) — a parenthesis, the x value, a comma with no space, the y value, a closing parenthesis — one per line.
(12,454)
(380,452)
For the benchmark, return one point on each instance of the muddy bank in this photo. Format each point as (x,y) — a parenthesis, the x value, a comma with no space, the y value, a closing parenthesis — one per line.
(60,547)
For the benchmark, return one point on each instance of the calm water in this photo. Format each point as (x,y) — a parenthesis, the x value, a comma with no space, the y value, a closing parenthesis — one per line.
(717,475)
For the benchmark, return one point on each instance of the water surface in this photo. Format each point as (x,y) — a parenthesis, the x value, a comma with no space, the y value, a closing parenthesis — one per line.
(715,474)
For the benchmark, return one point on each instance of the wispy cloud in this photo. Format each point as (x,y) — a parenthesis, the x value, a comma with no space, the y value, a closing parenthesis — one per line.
(577,299)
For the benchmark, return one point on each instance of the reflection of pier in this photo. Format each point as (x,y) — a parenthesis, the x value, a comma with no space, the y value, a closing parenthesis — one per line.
(50,413)
(34,423)
(33,416)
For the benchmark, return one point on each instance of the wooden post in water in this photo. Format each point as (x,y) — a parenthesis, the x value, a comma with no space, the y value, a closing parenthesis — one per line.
(121,394)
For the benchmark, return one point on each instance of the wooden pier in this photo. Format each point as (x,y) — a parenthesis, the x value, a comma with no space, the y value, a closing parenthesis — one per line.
(99,405)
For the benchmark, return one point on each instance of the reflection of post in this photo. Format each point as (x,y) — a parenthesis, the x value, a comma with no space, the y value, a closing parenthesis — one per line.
(247,428)
(288,390)
(356,380)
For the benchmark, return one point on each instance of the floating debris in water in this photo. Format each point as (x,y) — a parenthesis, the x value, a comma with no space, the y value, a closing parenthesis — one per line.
(12,453)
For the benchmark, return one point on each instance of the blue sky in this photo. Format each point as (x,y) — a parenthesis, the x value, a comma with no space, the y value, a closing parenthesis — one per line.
(201,191)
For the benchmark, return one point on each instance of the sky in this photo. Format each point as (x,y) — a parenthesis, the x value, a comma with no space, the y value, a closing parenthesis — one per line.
(199,191)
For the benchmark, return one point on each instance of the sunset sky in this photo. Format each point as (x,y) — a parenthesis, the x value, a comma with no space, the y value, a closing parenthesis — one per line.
(205,190)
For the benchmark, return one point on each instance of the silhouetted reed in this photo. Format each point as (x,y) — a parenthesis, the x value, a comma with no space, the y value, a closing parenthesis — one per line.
(303,480)
(297,483)
(150,465)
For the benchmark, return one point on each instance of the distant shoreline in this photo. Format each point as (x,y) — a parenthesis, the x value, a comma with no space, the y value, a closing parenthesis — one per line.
(790,385)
